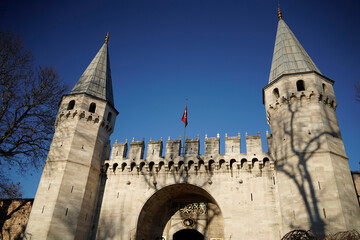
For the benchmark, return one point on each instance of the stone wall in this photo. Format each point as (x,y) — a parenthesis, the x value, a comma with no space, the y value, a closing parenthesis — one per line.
(356,179)
(14,215)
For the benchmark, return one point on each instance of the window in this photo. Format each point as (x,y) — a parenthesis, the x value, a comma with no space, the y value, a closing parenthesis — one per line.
(325,90)
(92,107)
(109,117)
(71,105)
(300,85)
(276,93)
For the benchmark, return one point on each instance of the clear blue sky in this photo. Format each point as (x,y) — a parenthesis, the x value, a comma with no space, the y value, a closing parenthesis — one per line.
(215,53)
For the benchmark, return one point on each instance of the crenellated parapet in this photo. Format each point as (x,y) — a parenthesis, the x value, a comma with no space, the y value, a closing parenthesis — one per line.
(253,144)
(301,89)
(136,150)
(154,149)
(212,145)
(303,97)
(192,146)
(175,159)
(119,150)
(232,145)
(84,116)
(173,148)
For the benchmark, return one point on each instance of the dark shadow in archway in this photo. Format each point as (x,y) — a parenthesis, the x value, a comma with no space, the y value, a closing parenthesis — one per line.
(158,209)
(187,234)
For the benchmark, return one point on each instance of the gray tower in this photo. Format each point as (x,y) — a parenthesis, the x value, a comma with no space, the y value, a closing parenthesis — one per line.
(66,197)
(315,185)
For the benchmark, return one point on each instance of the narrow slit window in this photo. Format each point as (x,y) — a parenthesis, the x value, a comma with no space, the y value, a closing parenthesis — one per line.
(251,196)
(66,212)
(42,211)
(324,212)
(232,148)
(319,185)
(72,188)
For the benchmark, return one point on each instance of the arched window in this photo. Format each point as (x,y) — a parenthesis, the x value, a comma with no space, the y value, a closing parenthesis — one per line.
(276,93)
(171,164)
(211,165)
(142,164)
(92,107)
(123,166)
(106,166)
(221,163)
(71,105)
(109,117)
(181,164)
(132,166)
(266,162)
(232,162)
(200,164)
(243,163)
(115,166)
(190,164)
(151,166)
(300,85)
(161,164)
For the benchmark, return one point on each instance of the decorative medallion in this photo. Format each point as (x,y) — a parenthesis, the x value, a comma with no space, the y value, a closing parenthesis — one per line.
(188,222)
(194,208)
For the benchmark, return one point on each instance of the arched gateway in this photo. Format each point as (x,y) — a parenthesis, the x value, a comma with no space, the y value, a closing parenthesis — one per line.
(187,234)
(178,212)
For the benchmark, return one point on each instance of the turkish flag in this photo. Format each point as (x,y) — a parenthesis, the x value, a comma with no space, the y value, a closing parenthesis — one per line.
(184,117)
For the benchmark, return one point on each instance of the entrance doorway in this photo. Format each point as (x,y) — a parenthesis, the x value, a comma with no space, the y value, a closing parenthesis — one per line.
(166,211)
(188,234)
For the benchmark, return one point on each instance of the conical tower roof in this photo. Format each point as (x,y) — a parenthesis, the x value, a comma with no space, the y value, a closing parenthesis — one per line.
(96,80)
(289,56)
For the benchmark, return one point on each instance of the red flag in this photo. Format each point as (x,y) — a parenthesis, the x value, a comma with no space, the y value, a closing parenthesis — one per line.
(184,117)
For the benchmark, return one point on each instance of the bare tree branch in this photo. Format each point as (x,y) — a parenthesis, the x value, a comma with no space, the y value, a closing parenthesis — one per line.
(29,101)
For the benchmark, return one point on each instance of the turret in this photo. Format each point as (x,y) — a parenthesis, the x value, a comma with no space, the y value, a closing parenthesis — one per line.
(305,140)
(66,197)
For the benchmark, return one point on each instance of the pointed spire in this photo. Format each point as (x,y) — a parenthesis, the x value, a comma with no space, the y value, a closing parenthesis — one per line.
(96,80)
(289,56)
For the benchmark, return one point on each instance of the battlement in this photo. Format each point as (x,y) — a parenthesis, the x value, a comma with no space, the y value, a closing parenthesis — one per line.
(88,117)
(175,159)
(303,97)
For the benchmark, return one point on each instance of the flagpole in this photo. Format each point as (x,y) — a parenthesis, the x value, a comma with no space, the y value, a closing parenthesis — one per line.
(185,127)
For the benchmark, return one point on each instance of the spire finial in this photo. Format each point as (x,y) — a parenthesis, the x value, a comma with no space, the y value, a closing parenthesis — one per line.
(280,16)
(107,38)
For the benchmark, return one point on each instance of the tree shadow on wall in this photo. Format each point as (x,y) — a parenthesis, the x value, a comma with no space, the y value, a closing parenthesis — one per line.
(179,171)
(301,149)
(13,219)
